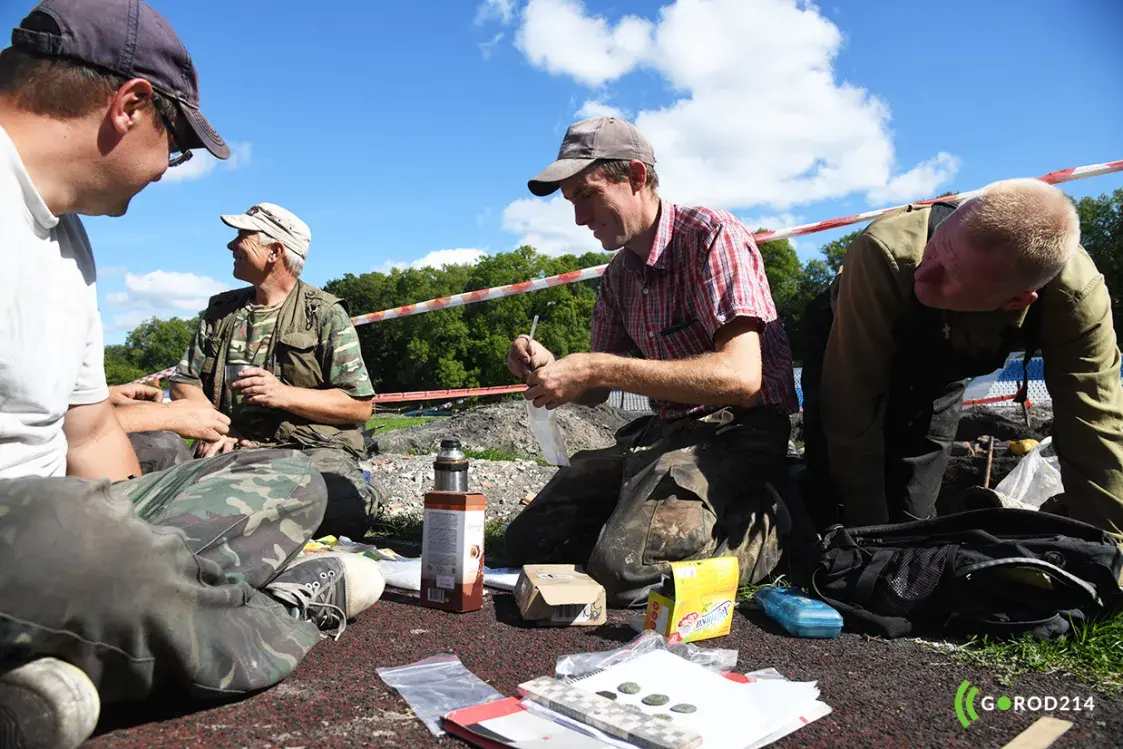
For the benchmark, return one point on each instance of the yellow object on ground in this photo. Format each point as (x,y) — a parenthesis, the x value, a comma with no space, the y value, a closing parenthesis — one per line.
(1021,447)
(696,603)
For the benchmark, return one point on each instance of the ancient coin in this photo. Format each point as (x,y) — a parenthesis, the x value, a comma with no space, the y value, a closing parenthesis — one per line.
(662,716)
(629,687)
(656,699)
(609,695)
(682,707)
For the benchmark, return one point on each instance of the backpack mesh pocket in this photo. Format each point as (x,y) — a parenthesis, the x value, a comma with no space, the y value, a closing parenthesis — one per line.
(909,579)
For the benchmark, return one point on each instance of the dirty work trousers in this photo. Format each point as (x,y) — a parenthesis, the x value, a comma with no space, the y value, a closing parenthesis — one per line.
(158,580)
(689,489)
(353,503)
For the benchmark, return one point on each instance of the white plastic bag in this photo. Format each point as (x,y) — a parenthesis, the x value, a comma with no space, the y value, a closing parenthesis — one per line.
(544,426)
(1036,478)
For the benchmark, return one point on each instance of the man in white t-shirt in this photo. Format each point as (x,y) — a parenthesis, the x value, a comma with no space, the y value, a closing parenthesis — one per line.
(112,583)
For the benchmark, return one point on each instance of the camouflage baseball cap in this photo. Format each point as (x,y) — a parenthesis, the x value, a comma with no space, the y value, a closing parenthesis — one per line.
(129,38)
(588,141)
(274,221)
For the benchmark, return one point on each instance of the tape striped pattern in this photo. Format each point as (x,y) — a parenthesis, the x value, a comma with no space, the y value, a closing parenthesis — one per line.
(588,274)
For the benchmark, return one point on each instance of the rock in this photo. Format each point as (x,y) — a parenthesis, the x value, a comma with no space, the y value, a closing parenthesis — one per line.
(503,427)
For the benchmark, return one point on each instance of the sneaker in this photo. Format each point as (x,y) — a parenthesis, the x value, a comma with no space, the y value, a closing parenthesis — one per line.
(47,704)
(329,587)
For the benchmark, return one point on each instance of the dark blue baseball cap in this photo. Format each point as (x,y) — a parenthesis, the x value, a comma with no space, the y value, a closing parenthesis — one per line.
(130,39)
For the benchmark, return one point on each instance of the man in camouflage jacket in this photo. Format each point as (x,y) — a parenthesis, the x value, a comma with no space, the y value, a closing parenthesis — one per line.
(282,360)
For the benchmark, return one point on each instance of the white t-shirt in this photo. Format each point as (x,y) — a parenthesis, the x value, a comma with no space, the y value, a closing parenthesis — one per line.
(51,349)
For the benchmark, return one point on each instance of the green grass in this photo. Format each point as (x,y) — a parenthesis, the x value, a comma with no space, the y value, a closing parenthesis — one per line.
(747,592)
(1092,653)
(394,423)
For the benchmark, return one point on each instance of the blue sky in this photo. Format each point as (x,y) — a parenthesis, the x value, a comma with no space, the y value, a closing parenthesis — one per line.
(400,130)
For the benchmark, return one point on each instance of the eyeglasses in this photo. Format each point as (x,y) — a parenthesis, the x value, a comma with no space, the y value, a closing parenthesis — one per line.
(184,155)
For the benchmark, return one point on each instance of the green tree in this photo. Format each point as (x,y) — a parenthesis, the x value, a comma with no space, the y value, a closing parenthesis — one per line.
(835,250)
(1101,233)
(157,344)
(119,369)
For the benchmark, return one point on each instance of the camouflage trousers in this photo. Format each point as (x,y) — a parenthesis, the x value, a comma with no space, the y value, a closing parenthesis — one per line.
(158,580)
(689,489)
(353,503)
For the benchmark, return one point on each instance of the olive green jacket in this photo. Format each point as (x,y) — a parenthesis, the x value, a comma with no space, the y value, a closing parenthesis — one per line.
(871,297)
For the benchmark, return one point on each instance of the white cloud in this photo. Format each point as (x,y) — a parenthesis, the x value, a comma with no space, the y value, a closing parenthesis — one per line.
(593,108)
(760,118)
(203,163)
(503,10)
(437,259)
(558,36)
(487,47)
(160,293)
(548,226)
(922,179)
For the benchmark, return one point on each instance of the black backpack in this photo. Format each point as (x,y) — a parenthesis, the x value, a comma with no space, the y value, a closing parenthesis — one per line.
(999,572)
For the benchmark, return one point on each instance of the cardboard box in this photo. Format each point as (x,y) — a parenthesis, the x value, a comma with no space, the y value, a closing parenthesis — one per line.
(558,595)
(695,602)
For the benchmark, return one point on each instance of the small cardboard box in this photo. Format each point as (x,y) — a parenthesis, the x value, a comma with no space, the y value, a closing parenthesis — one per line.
(558,595)
(695,602)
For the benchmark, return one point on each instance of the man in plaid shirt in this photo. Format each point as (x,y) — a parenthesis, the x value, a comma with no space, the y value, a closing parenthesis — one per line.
(684,316)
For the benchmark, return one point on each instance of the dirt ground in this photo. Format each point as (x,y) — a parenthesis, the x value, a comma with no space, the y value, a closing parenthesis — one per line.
(406,474)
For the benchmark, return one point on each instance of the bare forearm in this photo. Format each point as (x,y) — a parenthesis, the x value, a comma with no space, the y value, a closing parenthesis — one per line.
(97,448)
(326,406)
(183,391)
(145,417)
(705,380)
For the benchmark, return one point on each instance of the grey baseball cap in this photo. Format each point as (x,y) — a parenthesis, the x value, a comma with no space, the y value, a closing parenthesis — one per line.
(588,141)
(129,38)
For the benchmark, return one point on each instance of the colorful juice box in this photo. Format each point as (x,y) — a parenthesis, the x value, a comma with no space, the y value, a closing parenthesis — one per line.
(696,602)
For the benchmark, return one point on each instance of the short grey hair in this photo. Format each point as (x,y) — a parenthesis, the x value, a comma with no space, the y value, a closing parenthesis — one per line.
(293,262)
(1033,221)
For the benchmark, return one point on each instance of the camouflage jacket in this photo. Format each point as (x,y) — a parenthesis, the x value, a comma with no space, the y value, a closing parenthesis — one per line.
(307,341)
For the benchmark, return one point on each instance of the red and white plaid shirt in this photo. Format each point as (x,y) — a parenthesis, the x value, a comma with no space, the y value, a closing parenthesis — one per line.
(703,272)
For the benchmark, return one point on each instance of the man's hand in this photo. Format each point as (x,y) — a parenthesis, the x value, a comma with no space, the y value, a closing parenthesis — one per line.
(258,385)
(560,381)
(222,445)
(199,421)
(526,356)
(130,393)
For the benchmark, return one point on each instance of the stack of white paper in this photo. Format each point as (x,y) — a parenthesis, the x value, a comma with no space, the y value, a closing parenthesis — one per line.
(728,714)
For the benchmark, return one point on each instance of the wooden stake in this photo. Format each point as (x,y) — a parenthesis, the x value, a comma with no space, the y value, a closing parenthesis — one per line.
(990,463)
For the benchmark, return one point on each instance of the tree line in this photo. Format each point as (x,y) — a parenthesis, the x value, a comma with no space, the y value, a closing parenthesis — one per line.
(467,346)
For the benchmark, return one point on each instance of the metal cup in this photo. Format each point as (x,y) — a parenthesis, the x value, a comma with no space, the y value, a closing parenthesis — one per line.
(232,373)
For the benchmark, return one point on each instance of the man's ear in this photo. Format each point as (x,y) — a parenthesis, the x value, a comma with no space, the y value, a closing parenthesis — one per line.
(1021,301)
(125,106)
(637,175)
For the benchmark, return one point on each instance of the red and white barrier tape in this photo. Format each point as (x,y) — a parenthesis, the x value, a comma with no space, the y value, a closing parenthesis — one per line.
(587,274)
(432,395)
(157,376)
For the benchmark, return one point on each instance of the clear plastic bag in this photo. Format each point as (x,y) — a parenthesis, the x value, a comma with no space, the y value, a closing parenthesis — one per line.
(584,664)
(1036,478)
(436,686)
(544,427)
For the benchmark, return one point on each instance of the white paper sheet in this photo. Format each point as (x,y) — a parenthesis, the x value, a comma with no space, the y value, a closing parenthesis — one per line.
(729,715)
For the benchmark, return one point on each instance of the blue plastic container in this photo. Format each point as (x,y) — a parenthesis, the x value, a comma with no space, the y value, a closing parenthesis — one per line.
(799,615)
